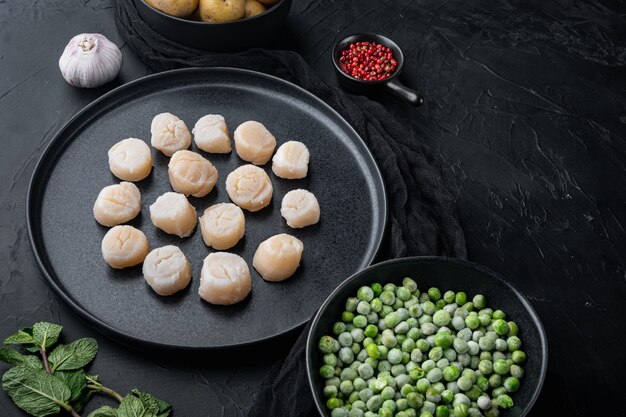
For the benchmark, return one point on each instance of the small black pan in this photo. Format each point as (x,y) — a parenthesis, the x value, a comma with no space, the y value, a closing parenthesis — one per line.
(392,83)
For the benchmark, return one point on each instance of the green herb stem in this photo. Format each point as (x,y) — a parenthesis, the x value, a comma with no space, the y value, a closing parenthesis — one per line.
(44,356)
(109,391)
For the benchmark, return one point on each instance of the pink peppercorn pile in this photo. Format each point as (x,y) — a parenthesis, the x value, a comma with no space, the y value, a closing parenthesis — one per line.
(368,61)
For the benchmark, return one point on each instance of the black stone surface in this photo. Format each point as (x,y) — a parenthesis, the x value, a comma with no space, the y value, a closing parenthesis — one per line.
(526,106)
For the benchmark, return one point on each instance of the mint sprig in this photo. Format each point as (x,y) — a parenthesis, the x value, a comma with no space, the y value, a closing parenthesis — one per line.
(48,378)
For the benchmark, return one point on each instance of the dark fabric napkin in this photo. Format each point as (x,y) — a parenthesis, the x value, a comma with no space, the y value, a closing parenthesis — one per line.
(422,214)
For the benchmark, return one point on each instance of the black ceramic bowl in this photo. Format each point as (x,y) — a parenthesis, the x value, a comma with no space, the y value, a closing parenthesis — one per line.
(233,36)
(446,274)
(391,84)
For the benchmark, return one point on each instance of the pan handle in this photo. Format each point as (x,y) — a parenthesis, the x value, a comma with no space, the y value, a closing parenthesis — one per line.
(406,94)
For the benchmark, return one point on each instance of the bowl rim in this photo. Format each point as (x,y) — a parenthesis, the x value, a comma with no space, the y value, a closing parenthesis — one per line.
(232,22)
(423,259)
(358,36)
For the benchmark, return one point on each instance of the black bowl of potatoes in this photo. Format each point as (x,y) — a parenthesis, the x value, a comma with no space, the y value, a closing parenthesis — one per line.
(426,336)
(216,25)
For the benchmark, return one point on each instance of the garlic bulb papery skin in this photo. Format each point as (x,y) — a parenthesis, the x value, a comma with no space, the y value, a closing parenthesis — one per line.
(90,60)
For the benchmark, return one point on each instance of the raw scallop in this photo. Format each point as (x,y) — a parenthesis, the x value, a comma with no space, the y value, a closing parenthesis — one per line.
(222,225)
(173,214)
(167,270)
(211,134)
(169,134)
(117,204)
(191,174)
(225,279)
(249,187)
(254,143)
(300,208)
(278,257)
(291,160)
(124,246)
(130,159)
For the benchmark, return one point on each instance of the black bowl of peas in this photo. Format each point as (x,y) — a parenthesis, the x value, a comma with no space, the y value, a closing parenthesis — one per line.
(426,337)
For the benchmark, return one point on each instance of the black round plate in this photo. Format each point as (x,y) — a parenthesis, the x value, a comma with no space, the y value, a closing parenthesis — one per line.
(446,274)
(74,168)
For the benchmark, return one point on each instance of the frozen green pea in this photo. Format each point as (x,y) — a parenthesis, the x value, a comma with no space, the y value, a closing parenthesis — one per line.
(513,343)
(339,327)
(398,369)
(422,385)
(492,412)
(387,298)
(402,328)
(374,403)
(460,410)
(428,329)
(461,398)
(330,359)
(351,304)
(366,394)
(359,383)
(411,301)
(402,404)
(397,304)
(479,301)
(441,318)
(417,373)
(350,326)
(346,355)
(473,348)
(422,345)
(464,383)
(500,326)
(499,314)
(384,366)
(518,356)
(333,381)
(384,351)
(376,288)
(365,294)
(347,317)
(429,364)
(428,307)
(498,392)
(408,345)
(464,359)
(449,296)
(376,305)
(370,330)
(472,321)
(392,320)
(485,356)
(415,310)
(372,362)
(442,363)
(372,350)
(389,340)
(511,384)
(460,345)
(372,318)
(498,356)
(346,387)
(434,375)
(424,318)
(457,323)
(406,390)
(483,402)
(435,353)
(327,371)
(451,373)
(328,345)
(504,401)
(403,293)
(513,329)
(485,367)
(409,284)
(486,343)
(365,371)
(363,308)
(333,403)
(356,412)
(359,321)
(402,380)
(339,412)
(387,393)
(330,391)
(362,355)
(394,356)
(440,304)
(449,354)
(460,298)
(415,400)
(434,293)
(500,367)
(495,380)
(473,393)
(400,339)
(348,374)
(433,395)
(483,383)
(516,371)
(345,339)
(447,396)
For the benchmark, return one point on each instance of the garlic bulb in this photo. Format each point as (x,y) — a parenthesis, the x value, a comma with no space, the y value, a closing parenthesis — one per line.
(90,60)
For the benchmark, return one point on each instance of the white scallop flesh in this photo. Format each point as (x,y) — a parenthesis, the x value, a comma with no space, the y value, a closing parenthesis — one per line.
(278,257)
(222,226)
(173,214)
(254,143)
(124,246)
(130,159)
(300,208)
(291,160)
(191,174)
(249,187)
(167,270)
(117,204)
(169,134)
(211,134)
(225,279)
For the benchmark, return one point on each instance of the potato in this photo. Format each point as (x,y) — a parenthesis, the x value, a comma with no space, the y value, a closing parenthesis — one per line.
(222,10)
(253,8)
(268,2)
(178,8)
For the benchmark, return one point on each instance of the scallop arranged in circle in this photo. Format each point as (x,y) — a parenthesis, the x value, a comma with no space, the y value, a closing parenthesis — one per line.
(130,159)
(291,160)
(254,143)
(169,134)
(222,226)
(278,257)
(124,246)
(117,204)
(211,134)
(173,214)
(249,187)
(191,174)
(225,279)
(167,270)
(300,208)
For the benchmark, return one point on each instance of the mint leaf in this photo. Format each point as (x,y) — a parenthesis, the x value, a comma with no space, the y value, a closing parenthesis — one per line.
(75,381)
(152,404)
(15,358)
(105,411)
(22,337)
(131,406)
(35,391)
(46,334)
(73,356)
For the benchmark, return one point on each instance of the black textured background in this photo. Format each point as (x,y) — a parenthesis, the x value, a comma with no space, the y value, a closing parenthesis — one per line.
(526,106)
